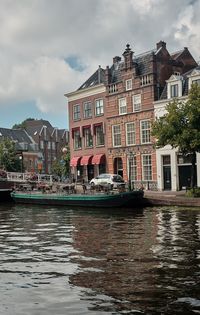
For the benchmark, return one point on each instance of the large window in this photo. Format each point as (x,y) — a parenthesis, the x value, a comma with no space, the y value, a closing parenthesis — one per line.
(116,133)
(99,135)
(122,106)
(88,137)
(133,168)
(147,167)
(130,133)
(76,112)
(136,102)
(174,90)
(77,139)
(99,107)
(145,128)
(87,110)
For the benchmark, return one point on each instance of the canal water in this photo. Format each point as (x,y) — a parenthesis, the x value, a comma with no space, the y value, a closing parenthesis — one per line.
(96,262)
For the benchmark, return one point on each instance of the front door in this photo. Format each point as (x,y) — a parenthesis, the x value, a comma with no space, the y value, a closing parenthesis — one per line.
(167,177)
(118,166)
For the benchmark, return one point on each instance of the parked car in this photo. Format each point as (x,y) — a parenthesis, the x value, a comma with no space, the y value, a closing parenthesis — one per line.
(114,180)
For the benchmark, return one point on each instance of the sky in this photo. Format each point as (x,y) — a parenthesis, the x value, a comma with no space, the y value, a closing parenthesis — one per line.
(50,47)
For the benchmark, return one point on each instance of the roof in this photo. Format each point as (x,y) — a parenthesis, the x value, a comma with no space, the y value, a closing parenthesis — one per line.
(17,135)
(96,78)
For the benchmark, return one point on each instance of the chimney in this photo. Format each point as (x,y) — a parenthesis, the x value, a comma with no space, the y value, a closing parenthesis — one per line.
(107,75)
(128,57)
(99,74)
(160,44)
(116,59)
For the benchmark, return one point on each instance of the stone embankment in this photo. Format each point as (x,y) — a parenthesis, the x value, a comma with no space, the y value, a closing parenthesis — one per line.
(163,198)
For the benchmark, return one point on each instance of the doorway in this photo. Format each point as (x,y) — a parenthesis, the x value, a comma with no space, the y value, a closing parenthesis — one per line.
(118,166)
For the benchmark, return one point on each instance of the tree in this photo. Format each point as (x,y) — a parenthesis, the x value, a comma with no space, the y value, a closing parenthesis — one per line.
(22,125)
(9,161)
(180,127)
(62,167)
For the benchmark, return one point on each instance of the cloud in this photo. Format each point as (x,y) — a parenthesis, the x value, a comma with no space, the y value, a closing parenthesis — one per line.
(48,48)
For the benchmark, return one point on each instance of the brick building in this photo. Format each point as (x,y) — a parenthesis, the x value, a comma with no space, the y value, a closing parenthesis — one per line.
(50,141)
(128,89)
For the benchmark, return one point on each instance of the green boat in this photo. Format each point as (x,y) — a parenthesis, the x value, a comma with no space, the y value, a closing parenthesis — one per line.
(103,200)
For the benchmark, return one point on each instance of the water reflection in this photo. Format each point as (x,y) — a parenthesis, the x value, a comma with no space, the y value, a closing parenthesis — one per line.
(73,261)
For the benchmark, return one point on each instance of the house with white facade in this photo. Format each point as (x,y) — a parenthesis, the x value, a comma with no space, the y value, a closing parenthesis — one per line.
(174,169)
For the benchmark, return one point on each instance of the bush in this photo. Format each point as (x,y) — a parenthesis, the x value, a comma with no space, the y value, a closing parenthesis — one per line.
(3,174)
(193,192)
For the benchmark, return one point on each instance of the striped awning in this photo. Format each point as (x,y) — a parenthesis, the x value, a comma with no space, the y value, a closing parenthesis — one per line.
(75,161)
(98,159)
(86,160)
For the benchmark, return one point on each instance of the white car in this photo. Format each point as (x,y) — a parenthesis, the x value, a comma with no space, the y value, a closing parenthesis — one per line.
(114,180)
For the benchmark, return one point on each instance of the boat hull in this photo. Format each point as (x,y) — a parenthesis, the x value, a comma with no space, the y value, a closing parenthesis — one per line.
(125,199)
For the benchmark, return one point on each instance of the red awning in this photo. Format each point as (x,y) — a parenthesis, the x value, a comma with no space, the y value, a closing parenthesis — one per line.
(86,159)
(75,161)
(98,159)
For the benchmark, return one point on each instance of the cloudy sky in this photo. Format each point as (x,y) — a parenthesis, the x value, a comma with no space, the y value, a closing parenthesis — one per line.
(50,47)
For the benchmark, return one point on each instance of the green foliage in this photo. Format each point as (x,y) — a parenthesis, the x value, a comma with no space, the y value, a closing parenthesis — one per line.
(193,193)
(62,167)
(180,126)
(22,125)
(9,161)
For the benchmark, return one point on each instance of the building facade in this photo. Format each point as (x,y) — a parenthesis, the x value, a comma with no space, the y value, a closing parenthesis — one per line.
(174,169)
(50,141)
(128,89)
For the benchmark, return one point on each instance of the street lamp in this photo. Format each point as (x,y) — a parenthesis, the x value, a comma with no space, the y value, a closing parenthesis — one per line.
(21,163)
(130,168)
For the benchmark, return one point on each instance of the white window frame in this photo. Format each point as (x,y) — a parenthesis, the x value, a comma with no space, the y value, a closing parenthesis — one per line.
(116,136)
(77,140)
(99,106)
(132,162)
(136,102)
(147,167)
(87,111)
(99,136)
(130,134)
(145,131)
(129,85)
(122,106)
(76,112)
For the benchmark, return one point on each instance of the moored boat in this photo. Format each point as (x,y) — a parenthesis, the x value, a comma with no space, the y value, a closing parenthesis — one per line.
(103,200)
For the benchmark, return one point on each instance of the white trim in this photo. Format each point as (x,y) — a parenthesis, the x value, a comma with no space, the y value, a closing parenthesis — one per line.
(97,89)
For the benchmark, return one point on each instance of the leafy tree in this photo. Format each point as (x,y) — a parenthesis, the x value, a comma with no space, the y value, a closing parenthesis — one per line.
(180,127)
(62,167)
(22,125)
(9,161)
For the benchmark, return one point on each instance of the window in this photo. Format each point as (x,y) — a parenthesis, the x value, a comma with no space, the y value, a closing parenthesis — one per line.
(53,145)
(76,112)
(147,167)
(136,102)
(116,133)
(145,131)
(99,107)
(88,137)
(196,81)
(77,139)
(99,135)
(87,110)
(128,85)
(49,145)
(132,168)
(174,90)
(130,133)
(122,106)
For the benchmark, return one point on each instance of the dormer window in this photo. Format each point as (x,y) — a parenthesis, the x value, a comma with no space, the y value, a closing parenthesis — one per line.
(194,77)
(175,86)
(196,81)
(174,90)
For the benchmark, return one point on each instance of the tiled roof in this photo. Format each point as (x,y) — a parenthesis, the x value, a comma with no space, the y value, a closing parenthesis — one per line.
(17,135)
(97,78)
